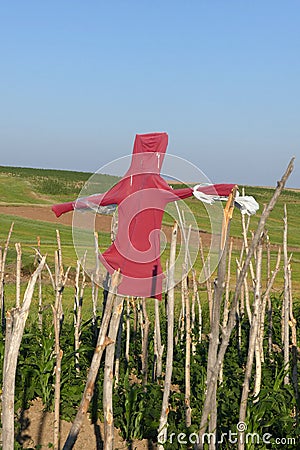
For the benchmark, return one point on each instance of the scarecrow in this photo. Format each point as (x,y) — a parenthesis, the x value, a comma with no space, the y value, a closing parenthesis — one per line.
(141,196)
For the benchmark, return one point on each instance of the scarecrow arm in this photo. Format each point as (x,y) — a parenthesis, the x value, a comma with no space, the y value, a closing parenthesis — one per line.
(85,202)
(211,193)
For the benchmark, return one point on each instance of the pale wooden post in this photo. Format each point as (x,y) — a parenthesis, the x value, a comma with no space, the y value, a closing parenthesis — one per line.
(102,342)
(295,351)
(145,341)
(158,346)
(40,310)
(16,319)
(162,430)
(78,300)
(109,374)
(60,281)
(187,395)
(286,301)
(3,255)
(127,345)
(252,346)
(214,336)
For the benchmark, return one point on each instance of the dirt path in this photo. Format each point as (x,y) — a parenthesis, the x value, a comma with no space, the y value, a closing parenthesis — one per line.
(44,213)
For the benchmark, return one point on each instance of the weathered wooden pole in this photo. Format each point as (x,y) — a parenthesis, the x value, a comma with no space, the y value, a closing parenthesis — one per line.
(252,346)
(102,343)
(158,346)
(78,301)
(162,430)
(214,336)
(145,341)
(16,319)
(286,303)
(109,374)
(60,281)
(187,395)
(3,255)
(40,309)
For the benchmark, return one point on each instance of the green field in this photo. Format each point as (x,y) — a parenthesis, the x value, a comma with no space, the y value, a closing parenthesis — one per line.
(137,407)
(26,186)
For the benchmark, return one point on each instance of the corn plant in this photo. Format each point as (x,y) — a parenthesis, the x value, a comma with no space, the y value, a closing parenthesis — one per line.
(134,409)
(37,358)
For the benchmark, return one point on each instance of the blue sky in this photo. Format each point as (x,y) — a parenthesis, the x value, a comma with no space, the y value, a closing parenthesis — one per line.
(79,79)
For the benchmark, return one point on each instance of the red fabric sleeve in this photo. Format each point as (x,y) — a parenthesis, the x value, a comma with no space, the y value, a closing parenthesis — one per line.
(62,208)
(182,193)
(109,198)
(223,190)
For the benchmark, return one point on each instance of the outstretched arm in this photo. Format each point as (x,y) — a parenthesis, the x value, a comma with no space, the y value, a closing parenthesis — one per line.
(92,201)
(216,190)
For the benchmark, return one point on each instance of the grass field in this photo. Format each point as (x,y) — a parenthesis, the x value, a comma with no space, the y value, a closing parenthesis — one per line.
(32,192)
(28,186)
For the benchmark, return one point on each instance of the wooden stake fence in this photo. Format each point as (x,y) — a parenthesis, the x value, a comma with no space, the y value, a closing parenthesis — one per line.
(232,315)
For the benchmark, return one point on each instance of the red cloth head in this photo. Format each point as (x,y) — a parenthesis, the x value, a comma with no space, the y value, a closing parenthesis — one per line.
(148,153)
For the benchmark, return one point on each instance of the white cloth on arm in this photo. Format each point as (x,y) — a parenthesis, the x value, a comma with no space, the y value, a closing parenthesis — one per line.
(246,203)
(205,198)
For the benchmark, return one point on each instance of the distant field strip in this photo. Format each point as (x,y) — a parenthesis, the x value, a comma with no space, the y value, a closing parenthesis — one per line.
(26,196)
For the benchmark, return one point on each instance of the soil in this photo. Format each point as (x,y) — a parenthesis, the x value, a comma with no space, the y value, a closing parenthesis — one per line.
(45,214)
(37,430)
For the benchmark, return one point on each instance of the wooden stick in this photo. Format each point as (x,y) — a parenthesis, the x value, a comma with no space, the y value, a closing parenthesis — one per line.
(145,342)
(78,301)
(246,245)
(95,284)
(228,212)
(118,348)
(252,345)
(76,318)
(270,312)
(259,353)
(266,297)
(108,374)
(227,300)
(214,336)
(293,325)
(162,430)
(16,320)
(2,272)
(18,273)
(40,308)
(60,281)
(127,345)
(158,347)
(196,299)
(246,292)
(58,358)
(102,342)
(187,397)
(207,280)
(286,301)
(227,286)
